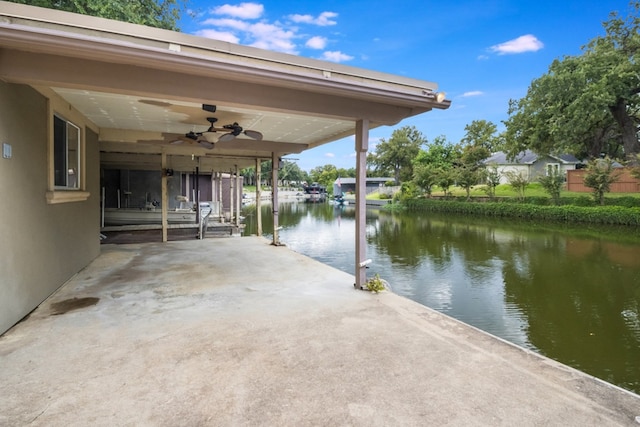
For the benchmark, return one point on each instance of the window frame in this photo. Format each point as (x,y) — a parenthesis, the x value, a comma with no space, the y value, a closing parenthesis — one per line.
(66,193)
(69,161)
(552,166)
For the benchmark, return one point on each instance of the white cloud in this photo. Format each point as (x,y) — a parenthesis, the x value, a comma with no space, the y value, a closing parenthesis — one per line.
(322,20)
(482,57)
(325,19)
(472,93)
(272,37)
(218,35)
(336,56)
(262,35)
(236,24)
(316,42)
(526,43)
(330,155)
(243,10)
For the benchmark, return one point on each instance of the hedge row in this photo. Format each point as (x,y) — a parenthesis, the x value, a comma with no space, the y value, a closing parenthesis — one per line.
(615,215)
(626,201)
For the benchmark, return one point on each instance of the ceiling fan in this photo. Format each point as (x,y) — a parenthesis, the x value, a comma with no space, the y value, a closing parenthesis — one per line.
(208,138)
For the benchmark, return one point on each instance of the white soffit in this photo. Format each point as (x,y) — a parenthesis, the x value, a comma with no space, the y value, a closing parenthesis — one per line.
(141,114)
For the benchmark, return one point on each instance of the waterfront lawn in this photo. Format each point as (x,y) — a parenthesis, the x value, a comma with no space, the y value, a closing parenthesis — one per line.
(533,190)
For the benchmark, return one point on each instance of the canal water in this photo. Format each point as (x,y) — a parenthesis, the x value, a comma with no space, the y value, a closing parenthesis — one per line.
(570,293)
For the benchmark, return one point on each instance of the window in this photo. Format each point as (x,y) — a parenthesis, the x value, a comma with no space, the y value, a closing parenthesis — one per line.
(66,154)
(553,169)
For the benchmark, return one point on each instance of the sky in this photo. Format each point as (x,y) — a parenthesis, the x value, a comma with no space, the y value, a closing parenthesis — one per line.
(480,53)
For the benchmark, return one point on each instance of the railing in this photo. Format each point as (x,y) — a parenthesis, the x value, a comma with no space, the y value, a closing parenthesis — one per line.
(205,213)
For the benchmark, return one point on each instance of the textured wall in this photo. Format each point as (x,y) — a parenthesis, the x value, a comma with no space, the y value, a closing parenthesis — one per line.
(41,245)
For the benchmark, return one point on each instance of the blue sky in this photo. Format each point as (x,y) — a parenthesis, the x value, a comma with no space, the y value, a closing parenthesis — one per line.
(481,53)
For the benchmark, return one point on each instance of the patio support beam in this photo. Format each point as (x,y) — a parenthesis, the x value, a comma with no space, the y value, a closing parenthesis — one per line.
(258,197)
(274,198)
(362,145)
(238,197)
(220,196)
(165,198)
(232,203)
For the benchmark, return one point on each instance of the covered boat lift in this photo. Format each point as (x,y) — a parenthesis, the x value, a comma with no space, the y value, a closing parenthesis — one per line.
(138,90)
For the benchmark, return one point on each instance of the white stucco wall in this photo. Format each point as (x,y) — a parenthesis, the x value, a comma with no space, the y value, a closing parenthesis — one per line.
(41,245)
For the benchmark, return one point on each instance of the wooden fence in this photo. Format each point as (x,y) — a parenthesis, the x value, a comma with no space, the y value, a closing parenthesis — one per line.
(625,184)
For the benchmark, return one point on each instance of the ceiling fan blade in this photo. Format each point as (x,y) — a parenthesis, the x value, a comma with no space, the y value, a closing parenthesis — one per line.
(206,144)
(227,137)
(253,134)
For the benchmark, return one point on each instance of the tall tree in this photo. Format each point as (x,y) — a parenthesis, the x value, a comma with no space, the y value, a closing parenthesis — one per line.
(439,153)
(324,175)
(482,134)
(153,13)
(586,104)
(290,171)
(397,154)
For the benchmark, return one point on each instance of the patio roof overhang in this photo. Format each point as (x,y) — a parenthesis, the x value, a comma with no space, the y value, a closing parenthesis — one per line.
(139,84)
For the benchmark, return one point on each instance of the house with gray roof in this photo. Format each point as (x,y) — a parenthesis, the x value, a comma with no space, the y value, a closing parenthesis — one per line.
(531,165)
(348,185)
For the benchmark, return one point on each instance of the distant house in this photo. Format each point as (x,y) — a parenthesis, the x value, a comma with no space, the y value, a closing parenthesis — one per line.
(531,165)
(348,185)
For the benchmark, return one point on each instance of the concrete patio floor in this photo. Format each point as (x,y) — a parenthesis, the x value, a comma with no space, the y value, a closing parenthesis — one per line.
(236,332)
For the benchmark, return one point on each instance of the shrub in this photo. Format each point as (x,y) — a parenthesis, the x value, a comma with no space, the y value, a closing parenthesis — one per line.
(552,184)
(540,201)
(627,201)
(518,182)
(614,215)
(599,177)
(582,201)
(408,191)
(375,284)
(492,179)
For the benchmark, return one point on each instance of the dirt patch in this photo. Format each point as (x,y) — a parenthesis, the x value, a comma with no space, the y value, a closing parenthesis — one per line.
(62,307)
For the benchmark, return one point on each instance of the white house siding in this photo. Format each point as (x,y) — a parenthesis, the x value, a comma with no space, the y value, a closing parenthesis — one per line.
(519,169)
(42,245)
(531,168)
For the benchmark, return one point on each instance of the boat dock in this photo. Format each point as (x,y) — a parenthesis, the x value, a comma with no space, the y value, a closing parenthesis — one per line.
(239,332)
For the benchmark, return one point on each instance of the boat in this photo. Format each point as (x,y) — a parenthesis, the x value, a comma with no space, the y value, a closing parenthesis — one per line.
(138,216)
(315,193)
(339,200)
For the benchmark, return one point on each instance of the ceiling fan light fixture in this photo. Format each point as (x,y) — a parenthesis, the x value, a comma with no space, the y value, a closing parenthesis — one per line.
(210,136)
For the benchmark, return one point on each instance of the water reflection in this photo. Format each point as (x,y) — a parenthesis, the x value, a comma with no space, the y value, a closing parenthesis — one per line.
(572,294)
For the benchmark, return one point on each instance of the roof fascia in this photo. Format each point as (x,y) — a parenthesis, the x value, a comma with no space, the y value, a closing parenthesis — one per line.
(41,30)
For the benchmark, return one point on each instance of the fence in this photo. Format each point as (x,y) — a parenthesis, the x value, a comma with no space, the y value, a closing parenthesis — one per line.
(625,184)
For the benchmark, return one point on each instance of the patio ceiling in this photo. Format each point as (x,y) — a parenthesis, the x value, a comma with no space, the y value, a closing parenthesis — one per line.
(144,87)
(135,129)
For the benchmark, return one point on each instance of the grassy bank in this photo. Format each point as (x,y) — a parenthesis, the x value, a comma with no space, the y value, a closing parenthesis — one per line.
(533,190)
(614,215)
